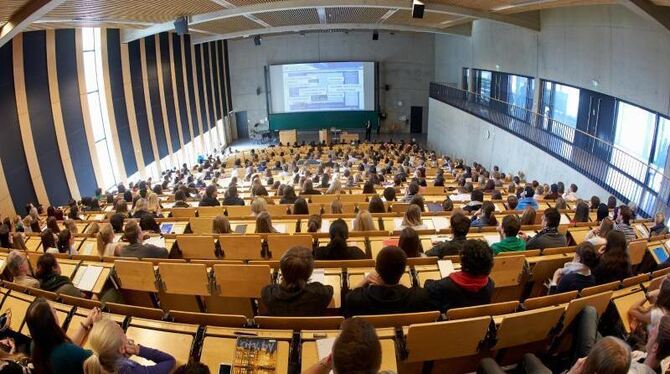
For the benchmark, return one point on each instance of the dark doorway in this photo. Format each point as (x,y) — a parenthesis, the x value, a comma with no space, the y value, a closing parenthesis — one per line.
(416,119)
(242,125)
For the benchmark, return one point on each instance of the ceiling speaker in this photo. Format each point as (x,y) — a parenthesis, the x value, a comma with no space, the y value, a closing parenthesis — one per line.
(417,9)
(375,35)
(181,26)
(257,40)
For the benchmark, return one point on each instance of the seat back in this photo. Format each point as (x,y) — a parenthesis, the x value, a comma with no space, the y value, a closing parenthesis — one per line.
(421,339)
(545,301)
(598,301)
(401,319)
(483,310)
(526,327)
(299,323)
(208,319)
(241,247)
(280,243)
(135,275)
(238,211)
(195,246)
(241,280)
(183,212)
(210,211)
(201,225)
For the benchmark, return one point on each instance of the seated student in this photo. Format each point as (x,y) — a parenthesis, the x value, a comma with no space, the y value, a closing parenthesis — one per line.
(231,197)
(289,196)
(112,351)
(602,212)
(571,194)
(364,221)
(412,218)
(598,235)
(264,224)
(258,205)
(581,213)
(300,206)
(576,275)
(148,224)
(471,285)
(623,218)
(659,227)
(614,264)
(389,194)
(528,199)
(412,190)
(314,223)
(476,201)
(410,243)
(460,225)
(485,216)
(528,216)
(65,243)
(49,274)
(376,205)
(294,296)
(308,188)
(508,229)
(336,207)
(117,222)
(356,350)
(49,241)
(105,240)
(133,233)
(180,200)
(380,292)
(209,199)
(221,225)
(337,248)
(643,312)
(512,202)
(18,267)
(548,237)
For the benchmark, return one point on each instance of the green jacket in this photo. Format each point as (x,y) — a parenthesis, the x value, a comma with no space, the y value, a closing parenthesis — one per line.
(512,244)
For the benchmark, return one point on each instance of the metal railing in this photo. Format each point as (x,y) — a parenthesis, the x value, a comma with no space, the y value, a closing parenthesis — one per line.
(617,171)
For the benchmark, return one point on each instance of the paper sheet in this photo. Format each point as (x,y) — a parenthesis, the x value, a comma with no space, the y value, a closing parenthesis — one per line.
(564,220)
(89,275)
(325,225)
(397,223)
(324,347)
(87,248)
(280,227)
(642,229)
(491,237)
(318,275)
(156,240)
(446,267)
(441,223)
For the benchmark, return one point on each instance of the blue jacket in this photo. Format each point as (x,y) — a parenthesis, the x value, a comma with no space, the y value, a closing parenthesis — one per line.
(526,202)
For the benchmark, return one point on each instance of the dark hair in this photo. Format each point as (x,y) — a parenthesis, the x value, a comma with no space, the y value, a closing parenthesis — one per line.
(45,332)
(410,242)
(314,223)
(232,191)
(418,201)
(587,254)
(614,262)
(339,233)
(390,264)
(413,188)
(609,355)
(663,298)
(45,265)
(611,202)
(512,202)
(48,240)
(663,338)
(476,257)
(148,223)
(602,212)
(180,195)
(511,225)
(626,214)
(552,217)
(117,222)
(530,192)
(488,209)
(289,193)
(376,205)
(300,206)
(357,348)
(369,188)
(296,267)
(595,202)
(460,224)
(581,212)
(4,236)
(210,190)
(192,368)
(477,195)
(132,231)
(64,241)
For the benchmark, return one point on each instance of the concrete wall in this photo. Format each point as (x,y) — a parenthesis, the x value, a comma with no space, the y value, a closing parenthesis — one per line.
(626,54)
(456,133)
(406,64)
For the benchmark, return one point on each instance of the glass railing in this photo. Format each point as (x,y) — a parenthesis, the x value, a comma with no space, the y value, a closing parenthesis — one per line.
(620,173)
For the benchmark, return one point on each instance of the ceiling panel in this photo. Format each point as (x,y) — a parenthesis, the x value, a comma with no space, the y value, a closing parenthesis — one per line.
(250,2)
(430,19)
(525,6)
(354,15)
(136,10)
(227,25)
(290,17)
(9,7)
(71,25)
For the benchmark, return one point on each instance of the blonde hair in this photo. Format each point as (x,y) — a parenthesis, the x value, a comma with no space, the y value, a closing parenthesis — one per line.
(259,205)
(140,204)
(92,229)
(153,204)
(412,216)
(71,225)
(336,207)
(335,185)
(105,338)
(363,221)
(105,236)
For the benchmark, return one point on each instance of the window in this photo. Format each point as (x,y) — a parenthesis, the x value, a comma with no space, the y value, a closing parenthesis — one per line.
(634,130)
(660,157)
(560,103)
(514,93)
(466,79)
(99,117)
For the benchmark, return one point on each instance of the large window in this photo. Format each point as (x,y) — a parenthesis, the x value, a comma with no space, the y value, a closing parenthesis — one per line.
(512,93)
(92,57)
(560,103)
(634,130)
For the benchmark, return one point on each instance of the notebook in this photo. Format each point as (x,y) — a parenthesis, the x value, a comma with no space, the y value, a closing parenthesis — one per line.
(241,229)
(441,223)
(434,207)
(661,254)
(166,228)
(255,355)
(318,275)
(158,241)
(324,347)
(86,277)
(446,267)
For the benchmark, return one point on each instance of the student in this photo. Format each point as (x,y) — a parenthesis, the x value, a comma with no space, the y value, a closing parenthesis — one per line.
(221,225)
(308,188)
(376,205)
(602,212)
(581,212)
(337,248)
(412,218)
(571,194)
(642,312)
(512,202)
(49,274)
(18,267)
(133,233)
(154,205)
(65,243)
(314,223)
(553,193)
(614,262)
(141,209)
(460,226)
(117,222)
(264,224)
(508,230)
(209,199)
(389,194)
(49,241)
(289,196)
(471,285)
(336,207)
(659,227)
(231,197)
(576,275)
(106,245)
(112,351)
(356,350)
(485,216)
(300,206)
(623,223)
(560,204)
(410,243)
(527,199)
(294,296)
(548,237)
(598,235)
(476,201)
(148,224)
(364,221)
(53,225)
(52,350)
(528,216)
(258,205)
(180,200)
(380,292)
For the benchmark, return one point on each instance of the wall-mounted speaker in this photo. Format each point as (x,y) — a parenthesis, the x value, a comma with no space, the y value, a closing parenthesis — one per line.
(258,91)
(417,9)
(257,40)
(375,35)
(181,26)
(387,87)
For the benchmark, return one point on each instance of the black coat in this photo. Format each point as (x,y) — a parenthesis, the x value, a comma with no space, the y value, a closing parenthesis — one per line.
(372,299)
(312,300)
(445,294)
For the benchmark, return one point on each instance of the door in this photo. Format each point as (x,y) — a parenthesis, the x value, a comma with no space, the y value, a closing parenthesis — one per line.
(242,125)
(416,119)
(596,118)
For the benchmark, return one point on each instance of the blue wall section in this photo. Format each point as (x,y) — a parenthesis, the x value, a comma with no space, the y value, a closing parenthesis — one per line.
(135,59)
(119,101)
(179,77)
(191,89)
(215,76)
(167,90)
(41,117)
(221,70)
(68,89)
(201,88)
(213,108)
(154,96)
(12,153)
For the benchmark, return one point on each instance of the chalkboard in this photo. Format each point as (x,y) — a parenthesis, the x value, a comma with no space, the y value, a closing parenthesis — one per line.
(322,120)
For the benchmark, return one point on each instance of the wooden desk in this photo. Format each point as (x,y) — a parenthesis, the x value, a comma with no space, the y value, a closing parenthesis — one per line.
(288,137)
(623,305)
(310,354)
(174,338)
(219,344)
(102,278)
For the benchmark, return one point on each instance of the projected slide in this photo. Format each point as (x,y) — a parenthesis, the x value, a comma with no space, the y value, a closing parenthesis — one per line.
(325,86)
